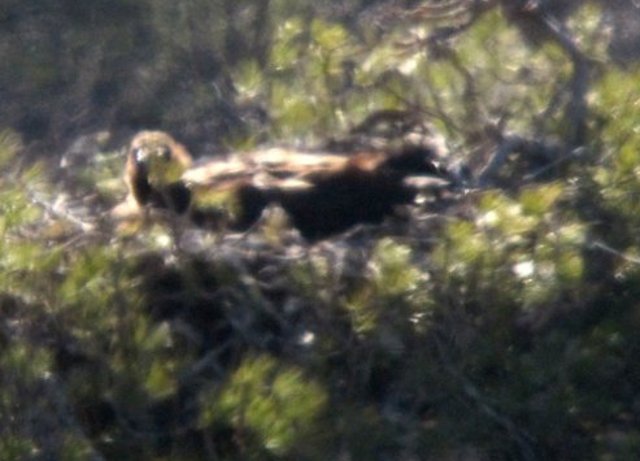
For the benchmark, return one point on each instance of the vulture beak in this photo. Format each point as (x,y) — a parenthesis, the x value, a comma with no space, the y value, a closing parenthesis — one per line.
(159,164)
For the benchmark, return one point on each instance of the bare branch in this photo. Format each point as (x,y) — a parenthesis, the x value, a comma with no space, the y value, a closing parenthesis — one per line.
(515,143)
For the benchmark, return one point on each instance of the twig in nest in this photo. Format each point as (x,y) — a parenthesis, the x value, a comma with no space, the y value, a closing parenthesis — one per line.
(515,143)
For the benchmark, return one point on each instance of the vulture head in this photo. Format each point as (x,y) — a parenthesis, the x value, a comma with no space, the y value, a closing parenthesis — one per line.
(155,165)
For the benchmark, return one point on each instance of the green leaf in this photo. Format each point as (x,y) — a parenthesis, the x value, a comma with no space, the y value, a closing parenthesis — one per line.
(160,381)
(328,36)
(278,403)
(540,199)
(10,145)
(392,268)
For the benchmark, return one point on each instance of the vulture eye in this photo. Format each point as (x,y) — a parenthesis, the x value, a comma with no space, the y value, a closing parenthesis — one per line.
(139,155)
(165,153)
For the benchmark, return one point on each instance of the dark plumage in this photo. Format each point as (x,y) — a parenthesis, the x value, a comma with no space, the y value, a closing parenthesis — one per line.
(322,193)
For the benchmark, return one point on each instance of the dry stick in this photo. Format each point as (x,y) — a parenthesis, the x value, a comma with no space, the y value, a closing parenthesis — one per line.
(81,225)
(577,108)
(522,438)
(600,245)
(576,111)
(514,143)
(575,153)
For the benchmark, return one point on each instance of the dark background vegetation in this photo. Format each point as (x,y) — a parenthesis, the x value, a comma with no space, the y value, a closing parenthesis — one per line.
(496,321)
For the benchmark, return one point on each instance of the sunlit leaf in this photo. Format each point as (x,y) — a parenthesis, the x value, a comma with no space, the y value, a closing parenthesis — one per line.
(540,200)
(275,401)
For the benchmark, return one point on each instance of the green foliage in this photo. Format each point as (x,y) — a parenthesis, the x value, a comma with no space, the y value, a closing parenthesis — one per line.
(306,69)
(616,178)
(26,364)
(10,144)
(15,447)
(383,302)
(23,368)
(277,404)
(518,252)
(20,256)
(616,100)
(392,271)
(507,329)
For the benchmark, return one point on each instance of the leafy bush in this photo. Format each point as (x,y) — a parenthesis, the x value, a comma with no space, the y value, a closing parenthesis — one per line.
(496,320)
